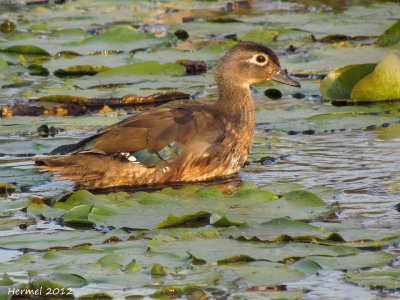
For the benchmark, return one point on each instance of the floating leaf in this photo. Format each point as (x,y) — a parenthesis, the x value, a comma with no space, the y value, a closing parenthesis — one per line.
(67,54)
(116,260)
(167,292)
(304,198)
(145,68)
(196,260)
(46,285)
(38,70)
(382,84)
(69,280)
(27,49)
(361,260)
(263,36)
(225,222)
(76,32)
(119,33)
(339,83)
(158,270)
(133,267)
(240,258)
(6,280)
(78,213)
(80,70)
(255,195)
(389,279)
(22,36)
(3,64)
(391,36)
(188,220)
(63,99)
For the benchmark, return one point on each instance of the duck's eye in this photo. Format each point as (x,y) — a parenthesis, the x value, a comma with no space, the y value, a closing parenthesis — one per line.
(260,58)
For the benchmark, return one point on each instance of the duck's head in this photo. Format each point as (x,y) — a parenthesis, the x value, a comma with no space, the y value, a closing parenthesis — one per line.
(247,63)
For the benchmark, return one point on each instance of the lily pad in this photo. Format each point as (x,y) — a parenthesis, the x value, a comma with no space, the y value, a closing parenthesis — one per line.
(145,68)
(389,278)
(80,70)
(361,260)
(188,220)
(120,33)
(383,83)
(38,70)
(3,64)
(27,49)
(263,36)
(391,36)
(339,83)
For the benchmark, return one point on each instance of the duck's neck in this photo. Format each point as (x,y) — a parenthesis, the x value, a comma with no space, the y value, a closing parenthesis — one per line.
(236,101)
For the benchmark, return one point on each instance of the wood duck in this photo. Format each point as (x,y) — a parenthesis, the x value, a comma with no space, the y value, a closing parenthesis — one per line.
(181,141)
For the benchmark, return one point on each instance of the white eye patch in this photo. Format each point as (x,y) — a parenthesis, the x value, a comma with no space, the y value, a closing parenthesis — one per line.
(259,59)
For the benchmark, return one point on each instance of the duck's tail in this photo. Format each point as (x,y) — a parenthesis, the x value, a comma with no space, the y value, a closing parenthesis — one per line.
(96,171)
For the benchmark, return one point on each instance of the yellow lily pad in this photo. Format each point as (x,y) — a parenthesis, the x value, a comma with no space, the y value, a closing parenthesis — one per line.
(382,84)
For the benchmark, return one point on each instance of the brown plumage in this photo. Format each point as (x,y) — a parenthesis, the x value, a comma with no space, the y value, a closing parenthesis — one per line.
(179,141)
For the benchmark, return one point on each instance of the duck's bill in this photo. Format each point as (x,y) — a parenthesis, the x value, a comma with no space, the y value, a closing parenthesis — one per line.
(283,78)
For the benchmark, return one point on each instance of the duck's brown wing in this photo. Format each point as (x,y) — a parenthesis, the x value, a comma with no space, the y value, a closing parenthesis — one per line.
(156,138)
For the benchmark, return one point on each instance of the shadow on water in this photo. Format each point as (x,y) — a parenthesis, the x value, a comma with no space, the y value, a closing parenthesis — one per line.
(222,183)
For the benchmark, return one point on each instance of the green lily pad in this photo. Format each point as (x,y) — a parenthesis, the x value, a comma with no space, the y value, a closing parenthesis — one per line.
(132,267)
(69,280)
(78,213)
(188,220)
(176,291)
(27,49)
(63,99)
(391,36)
(21,36)
(75,32)
(304,198)
(274,229)
(339,83)
(158,270)
(80,70)
(38,70)
(44,285)
(67,54)
(214,250)
(240,258)
(361,260)
(120,33)
(263,36)
(3,64)
(116,260)
(389,278)
(145,68)
(126,74)
(382,84)
(6,280)
(225,222)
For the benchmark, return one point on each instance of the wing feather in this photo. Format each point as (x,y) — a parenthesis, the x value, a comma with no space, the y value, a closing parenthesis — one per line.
(158,136)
